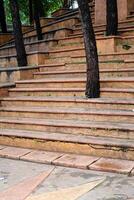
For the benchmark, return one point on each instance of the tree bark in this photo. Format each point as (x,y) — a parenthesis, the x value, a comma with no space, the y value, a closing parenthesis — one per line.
(40,8)
(112,18)
(19,43)
(92,84)
(37,19)
(66,4)
(2,17)
(30,11)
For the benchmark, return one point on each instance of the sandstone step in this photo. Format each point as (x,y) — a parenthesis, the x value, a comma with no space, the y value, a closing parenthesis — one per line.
(68,113)
(105,92)
(107,129)
(69,102)
(118,57)
(48,92)
(79,63)
(69,143)
(80,73)
(118,82)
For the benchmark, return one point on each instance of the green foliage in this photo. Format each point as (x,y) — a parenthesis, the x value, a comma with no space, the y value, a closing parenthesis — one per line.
(49,7)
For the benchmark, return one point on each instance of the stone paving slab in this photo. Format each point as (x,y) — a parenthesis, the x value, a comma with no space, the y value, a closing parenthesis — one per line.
(69,160)
(69,182)
(42,156)
(113,165)
(2,147)
(76,161)
(14,152)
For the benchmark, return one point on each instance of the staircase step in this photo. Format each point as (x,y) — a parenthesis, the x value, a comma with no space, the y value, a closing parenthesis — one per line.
(68,113)
(69,102)
(80,73)
(69,143)
(119,82)
(105,92)
(92,128)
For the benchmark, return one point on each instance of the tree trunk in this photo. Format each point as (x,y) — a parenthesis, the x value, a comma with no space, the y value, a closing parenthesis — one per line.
(2,17)
(92,84)
(40,8)
(37,20)
(112,18)
(30,11)
(65,4)
(19,43)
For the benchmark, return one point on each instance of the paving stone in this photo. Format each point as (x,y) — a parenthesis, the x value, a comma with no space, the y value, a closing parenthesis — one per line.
(2,147)
(14,152)
(76,161)
(113,165)
(24,188)
(42,156)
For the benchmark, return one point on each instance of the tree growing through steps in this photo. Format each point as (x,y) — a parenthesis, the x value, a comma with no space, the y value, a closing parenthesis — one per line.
(18,36)
(37,19)
(2,17)
(93,83)
(112,18)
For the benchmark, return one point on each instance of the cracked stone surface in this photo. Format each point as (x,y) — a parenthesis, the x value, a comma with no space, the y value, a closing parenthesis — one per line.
(111,186)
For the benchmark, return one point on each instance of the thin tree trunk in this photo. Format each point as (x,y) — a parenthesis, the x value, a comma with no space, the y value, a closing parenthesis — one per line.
(40,8)
(92,84)
(112,18)
(37,20)
(30,11)
(66,4)
(2,17)
(19,43)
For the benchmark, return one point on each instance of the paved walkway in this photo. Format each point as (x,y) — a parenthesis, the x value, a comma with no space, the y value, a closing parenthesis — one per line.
(21,180)
(69,160)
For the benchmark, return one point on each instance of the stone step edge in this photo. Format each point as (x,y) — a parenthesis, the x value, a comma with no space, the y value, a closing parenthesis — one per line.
(70,123)
(57,156)
(126,90)
(72,110)
(73,80)
(73,99)
(69,138)
(82,71)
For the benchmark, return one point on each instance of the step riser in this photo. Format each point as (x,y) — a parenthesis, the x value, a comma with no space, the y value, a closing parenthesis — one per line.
(70,41)
(78,66)
(79,84)
(53,85)
(49,93)
(72,94)
(71,130)
(119,57)
(83,149)
(67,104)
(83,75)
(57,60)
(29,48)
(79,116)
(67,53)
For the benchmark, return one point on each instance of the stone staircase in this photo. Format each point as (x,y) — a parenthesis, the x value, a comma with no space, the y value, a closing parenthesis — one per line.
(50,112)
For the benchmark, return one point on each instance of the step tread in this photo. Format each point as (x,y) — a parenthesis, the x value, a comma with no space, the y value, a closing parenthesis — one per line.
(60,79)
(81,139)
(70,123)
(72,99)
(71,89)
(84,71)
(73,110)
